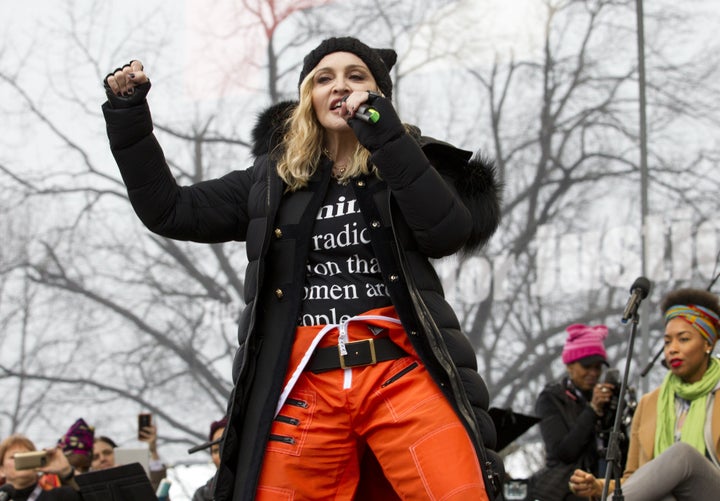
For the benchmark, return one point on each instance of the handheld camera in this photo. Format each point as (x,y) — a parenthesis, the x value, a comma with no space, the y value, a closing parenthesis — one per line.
(30,460)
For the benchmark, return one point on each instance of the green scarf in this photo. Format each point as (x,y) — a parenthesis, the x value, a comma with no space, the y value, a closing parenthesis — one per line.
(694,426)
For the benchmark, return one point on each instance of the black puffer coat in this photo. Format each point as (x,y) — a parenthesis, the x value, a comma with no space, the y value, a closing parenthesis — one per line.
(430,203)
(569,432)
(568,427)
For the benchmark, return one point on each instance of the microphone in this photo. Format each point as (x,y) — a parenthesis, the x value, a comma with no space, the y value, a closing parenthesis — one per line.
(638,292)
(7,492)
(367,114)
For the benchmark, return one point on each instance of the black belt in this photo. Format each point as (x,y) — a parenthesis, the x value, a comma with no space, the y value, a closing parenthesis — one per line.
(359,353)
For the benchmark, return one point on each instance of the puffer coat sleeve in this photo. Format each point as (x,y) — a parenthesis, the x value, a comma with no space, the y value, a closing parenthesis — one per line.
(434,212)
(209,211)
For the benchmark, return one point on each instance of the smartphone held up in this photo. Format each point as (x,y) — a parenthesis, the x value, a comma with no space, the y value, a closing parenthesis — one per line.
(144,420)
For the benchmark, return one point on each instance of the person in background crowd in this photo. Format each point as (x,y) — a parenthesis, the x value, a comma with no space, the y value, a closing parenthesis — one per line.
(675,438)
(217,428)
(77,445)
(571,411)
(104,454)
(348,348)
(22,484)
(158,470)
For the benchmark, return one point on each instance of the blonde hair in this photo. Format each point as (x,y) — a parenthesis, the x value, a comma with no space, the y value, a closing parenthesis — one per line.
(303,145)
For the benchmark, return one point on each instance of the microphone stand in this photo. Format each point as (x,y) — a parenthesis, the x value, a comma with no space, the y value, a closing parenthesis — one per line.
(613,455)
(205,445)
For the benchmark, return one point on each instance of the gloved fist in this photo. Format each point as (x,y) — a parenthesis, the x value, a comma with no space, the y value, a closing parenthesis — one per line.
(388,126)
(127,86)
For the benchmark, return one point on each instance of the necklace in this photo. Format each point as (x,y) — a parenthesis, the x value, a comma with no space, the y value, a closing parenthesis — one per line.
(338,168)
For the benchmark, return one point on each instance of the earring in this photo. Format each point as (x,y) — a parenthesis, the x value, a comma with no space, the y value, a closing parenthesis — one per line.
(708,352)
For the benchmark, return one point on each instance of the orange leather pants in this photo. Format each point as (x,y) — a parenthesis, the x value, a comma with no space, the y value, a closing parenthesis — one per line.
(394,407)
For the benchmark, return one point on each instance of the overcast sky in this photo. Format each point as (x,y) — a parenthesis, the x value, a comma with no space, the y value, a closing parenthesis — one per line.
(31,39)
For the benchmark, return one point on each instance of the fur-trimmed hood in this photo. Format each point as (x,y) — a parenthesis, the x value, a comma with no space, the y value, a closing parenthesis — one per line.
(474,174)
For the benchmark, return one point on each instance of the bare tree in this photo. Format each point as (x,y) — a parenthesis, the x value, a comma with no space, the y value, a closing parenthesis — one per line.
(143,320)
(123,320)
(564,136)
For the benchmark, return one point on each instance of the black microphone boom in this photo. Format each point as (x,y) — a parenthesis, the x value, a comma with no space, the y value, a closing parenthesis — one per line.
(639,291)
(652,362)
(200,447)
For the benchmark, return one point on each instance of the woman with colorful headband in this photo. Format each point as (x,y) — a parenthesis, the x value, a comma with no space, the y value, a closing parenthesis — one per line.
(675,439)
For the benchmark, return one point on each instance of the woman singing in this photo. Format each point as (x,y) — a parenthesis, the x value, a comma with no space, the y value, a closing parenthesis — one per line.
(349,355)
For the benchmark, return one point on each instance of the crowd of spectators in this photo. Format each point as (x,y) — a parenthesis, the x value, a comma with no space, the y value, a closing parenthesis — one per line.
(51,476)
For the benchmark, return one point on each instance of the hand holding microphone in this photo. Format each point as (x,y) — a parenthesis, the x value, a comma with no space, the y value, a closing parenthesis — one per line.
(367,113)
(375,122)
(364,111)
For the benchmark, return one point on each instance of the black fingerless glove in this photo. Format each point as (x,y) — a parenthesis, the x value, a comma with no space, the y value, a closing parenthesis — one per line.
(134,99)
(388,127)
(137,97)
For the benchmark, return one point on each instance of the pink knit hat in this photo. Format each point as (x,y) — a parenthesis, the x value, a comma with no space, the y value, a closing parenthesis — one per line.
(585,344)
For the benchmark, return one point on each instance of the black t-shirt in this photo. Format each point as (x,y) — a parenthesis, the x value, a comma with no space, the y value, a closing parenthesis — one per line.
(342,274)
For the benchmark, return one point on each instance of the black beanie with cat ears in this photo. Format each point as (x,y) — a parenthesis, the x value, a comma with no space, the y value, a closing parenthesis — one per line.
(378,61)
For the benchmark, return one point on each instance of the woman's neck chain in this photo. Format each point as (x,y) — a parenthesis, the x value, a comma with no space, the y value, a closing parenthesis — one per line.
(338,168)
